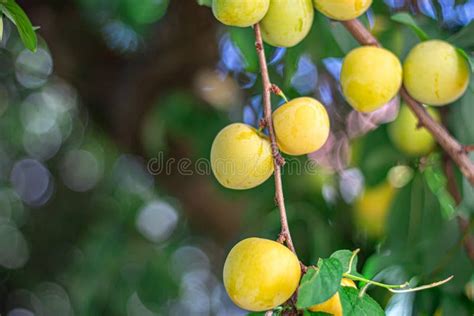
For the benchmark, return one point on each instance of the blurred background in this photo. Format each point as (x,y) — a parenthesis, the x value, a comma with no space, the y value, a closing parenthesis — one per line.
(98,218)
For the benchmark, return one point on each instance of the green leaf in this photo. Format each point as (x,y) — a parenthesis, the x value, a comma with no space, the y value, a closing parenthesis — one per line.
(310,313)
(343,38)
(1,28)
(344,256)
(454,305)
(464,38)
(407,19)
(244,40)
(206,3)
(318,285)
(376,263)
(460,119)
(469,58)
(353,305)
(256,314)
(16,14)
(437,182)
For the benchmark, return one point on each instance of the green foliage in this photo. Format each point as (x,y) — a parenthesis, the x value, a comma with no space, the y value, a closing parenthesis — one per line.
(437,183)
(149,11)
(206,3)
(243,38)
(319,284)
(407,19)
(345,256)
(16,14)
(355,305)
(310,313)
(464,38)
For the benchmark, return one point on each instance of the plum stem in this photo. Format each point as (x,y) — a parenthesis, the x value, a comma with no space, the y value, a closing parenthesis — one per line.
(277,91)
(278,160)
(451,146)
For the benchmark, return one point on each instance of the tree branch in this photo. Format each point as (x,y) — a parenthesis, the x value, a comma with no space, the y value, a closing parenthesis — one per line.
(457,152)
(450,145)
(278,160)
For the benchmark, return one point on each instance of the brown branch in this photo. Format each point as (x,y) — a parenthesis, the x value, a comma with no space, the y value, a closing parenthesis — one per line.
(457,152)
(278,160)
(451,184)
(450,145)
(468,148)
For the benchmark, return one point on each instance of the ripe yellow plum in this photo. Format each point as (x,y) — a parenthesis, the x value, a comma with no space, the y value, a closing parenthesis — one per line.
(408,137)
(260,274)
(333,305)
(370,78)
(240,13)
(241,158)
(435,73)
(371,209)
(287,22)
(342,10)
(301,126)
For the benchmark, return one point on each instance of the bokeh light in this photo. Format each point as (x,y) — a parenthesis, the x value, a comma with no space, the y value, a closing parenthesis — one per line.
(157,221)
(81,170)
(32,182)
(20,312)
(33,69)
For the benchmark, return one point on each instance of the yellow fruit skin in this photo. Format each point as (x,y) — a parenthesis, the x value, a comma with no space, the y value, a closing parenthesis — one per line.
(260,274)
(371,209)
(287,22)
(342,10)
(333,305)
(370,77)
(408,137)
(240,157)
(240,13)
(435,73)
(301,126)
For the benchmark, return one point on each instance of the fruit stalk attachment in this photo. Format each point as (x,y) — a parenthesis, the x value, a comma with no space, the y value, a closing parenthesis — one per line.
(278,160)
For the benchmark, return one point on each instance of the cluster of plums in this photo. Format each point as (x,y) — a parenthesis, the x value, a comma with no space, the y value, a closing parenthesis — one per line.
(262,274)
(241,156)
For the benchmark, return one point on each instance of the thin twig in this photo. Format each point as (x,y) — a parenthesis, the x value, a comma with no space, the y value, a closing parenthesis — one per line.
(387,286)
(452,147)
(457,152)
(278,160)
(423,287)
